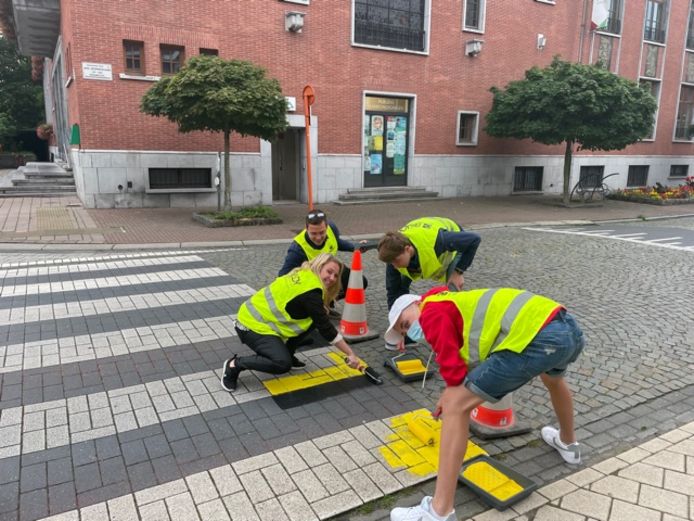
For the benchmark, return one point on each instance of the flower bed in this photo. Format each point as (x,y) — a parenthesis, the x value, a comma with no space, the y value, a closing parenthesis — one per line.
(659,194)
(253,216)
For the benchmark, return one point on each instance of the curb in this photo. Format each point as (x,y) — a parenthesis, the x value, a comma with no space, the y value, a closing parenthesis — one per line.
(67,246)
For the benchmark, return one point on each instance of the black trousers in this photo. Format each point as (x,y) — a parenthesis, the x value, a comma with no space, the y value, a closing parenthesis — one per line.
(272,355)
(345,280)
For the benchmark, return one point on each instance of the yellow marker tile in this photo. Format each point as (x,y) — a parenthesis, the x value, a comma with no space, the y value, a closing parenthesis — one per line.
(405,453)
(275,386)
(423,469)
(486,476)
(474,450)
(507,490)
(391,458)
(430,454)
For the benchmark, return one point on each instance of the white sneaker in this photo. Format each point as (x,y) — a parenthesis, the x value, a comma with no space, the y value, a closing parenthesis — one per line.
(422,512)
(391,347)
(571,453)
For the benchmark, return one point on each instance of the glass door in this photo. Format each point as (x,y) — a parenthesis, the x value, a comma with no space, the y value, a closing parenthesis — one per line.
(386,129)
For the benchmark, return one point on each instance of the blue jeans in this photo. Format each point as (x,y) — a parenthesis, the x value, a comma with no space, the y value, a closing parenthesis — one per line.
(551,351)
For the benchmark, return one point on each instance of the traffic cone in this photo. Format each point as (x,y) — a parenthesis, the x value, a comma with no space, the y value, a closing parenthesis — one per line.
(496,420)
(353,325)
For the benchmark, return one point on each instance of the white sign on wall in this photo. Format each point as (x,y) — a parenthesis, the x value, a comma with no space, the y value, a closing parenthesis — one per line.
(97,71)
(291,103)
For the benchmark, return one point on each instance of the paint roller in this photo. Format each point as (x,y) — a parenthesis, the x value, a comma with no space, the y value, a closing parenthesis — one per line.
(421,430)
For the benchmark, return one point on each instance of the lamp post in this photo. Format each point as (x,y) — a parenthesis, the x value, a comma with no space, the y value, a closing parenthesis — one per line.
(309,98)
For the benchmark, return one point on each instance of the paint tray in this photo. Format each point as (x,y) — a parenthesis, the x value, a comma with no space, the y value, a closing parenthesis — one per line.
(497,484)
(408,367)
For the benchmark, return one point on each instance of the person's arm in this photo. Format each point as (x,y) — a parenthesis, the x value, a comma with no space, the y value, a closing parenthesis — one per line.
(396,284)
(443,325)
(342,244)
(312,305)
(465,243)
(295,257)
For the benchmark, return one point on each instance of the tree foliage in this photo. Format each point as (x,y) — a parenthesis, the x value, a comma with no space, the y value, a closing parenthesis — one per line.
(572,103)
(21,101)
(211,94)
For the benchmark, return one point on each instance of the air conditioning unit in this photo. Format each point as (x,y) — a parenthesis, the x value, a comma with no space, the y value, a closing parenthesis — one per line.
(294,21)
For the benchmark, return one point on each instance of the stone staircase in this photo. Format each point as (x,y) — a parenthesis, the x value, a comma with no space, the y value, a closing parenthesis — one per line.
(385,194)
(40,180)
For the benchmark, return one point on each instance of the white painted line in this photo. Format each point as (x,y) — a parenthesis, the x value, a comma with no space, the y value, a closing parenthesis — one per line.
(629,234)
(663,239)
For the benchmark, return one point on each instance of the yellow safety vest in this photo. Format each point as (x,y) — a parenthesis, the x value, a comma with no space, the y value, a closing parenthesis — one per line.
(497,319)
(265,312)
(329,246)
(422,234)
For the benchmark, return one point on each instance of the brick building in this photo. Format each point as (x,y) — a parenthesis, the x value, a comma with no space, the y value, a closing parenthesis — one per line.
(402,89)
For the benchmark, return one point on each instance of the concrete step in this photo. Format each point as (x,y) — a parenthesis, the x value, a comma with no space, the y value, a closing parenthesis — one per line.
(48,168)
(60,181)
(386,194)
(35,189)
(45,175)
(376,201)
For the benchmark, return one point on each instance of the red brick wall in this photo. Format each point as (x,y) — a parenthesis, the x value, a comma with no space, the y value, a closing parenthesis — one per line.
(445,81)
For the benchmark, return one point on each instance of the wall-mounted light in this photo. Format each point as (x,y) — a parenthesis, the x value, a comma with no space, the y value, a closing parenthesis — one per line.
(294,21)
(541,41)
(473,47)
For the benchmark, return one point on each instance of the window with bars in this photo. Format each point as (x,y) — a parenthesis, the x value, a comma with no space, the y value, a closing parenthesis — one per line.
(679,170)
(474,15)
(398,24)
(527,179)
(591,176)
(467,128)
(654,25)
(637,176)
(178,178)
(134,57)
(171,58)
(685,114)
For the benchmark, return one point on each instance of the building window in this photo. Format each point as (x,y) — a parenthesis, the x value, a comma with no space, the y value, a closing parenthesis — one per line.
(605,51)
(607,16)
(467,127)
(690,29)
(653,87)
(473,15)
(654,25)
(171,59)
(527,179)
(134,57)
(396,24)
(689,67)
(178,178)
(638,175)
(591,176)
(679,170)
(209,52)
(685,114)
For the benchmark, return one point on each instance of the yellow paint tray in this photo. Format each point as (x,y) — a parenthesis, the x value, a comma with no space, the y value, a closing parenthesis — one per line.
(497,484)
(408,367)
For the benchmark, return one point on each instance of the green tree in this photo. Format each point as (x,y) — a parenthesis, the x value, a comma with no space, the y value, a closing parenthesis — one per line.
(215,95)
(575,104)
(21,101)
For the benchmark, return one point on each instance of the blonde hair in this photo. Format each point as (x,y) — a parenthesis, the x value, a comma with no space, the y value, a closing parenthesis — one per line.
(316,265)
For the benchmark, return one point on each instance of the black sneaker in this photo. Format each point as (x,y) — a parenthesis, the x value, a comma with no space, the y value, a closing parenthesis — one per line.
(230,375)
(297,363)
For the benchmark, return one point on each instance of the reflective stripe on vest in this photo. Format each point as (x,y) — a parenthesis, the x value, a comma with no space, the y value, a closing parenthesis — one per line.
(422,233)
(265,312)
(497,319)
(329,246)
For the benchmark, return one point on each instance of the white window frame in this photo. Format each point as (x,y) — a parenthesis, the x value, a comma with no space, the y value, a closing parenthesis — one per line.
(657,110)
(550,2)
(427,32)
(483,16)
(475,130)
(302,2)
(676,139)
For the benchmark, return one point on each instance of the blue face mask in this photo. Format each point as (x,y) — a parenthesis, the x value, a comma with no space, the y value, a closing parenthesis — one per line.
(415,333)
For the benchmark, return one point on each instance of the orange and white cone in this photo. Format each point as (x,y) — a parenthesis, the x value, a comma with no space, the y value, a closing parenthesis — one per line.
(496,420)
(353,325)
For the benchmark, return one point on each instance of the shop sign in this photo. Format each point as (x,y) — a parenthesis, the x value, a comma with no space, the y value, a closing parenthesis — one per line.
(378,104)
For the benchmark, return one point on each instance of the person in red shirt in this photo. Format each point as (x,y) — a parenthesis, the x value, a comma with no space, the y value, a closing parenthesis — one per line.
(488,343)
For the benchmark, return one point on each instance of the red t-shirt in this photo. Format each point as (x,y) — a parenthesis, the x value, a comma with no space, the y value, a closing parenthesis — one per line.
(442,325)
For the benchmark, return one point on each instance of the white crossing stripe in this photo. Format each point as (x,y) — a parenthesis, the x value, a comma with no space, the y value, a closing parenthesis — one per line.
(110,305)
(72,349)
(629,234)
(663,239)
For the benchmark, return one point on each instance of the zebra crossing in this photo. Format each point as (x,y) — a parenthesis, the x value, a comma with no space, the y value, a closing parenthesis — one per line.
(680,239)
(111,407)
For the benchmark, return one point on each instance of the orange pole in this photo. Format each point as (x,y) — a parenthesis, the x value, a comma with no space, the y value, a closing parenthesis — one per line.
(309,98)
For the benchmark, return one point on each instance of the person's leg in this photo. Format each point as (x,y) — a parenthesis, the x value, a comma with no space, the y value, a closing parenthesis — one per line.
(562,402)
(344,282)
(456,403)
(272,355)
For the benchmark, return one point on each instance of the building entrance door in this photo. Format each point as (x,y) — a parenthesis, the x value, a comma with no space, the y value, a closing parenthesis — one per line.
(285,165)
(386,136)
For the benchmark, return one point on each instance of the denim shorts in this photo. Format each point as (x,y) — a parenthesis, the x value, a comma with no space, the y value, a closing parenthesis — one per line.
(557,345)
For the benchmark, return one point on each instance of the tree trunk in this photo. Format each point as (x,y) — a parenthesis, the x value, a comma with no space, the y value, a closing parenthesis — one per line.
(567,170)
(227,172)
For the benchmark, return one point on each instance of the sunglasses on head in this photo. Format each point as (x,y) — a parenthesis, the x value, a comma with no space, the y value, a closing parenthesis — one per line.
(315,217)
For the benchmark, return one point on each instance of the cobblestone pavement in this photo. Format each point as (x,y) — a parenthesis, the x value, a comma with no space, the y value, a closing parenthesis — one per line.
(111,404)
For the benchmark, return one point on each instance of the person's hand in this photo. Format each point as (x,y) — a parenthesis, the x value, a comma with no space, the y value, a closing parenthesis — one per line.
(352,361)
(456,281)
